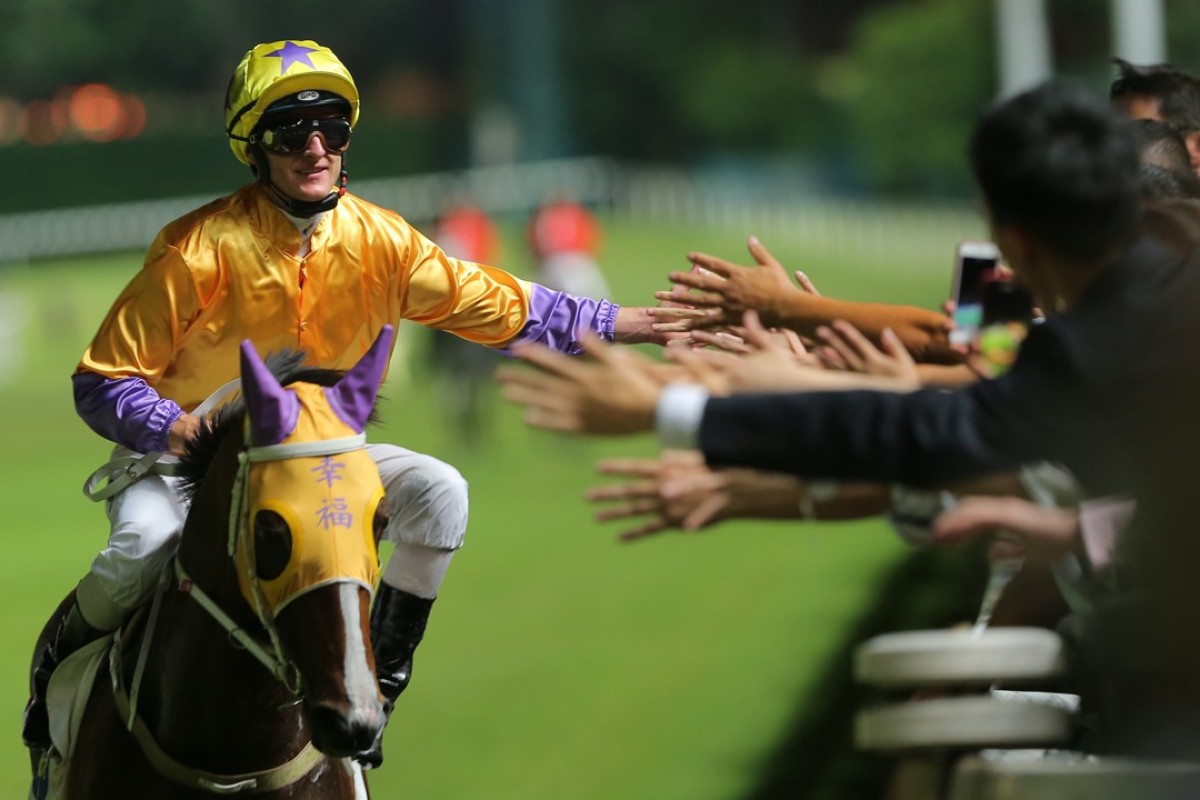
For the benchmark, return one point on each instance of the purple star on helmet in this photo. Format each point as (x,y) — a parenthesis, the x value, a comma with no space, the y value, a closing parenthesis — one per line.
(292,53)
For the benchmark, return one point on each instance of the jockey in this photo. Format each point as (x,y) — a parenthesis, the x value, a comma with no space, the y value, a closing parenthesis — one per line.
(291,260)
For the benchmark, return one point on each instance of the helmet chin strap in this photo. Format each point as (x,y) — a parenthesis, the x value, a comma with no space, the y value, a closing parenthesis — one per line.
(303,209)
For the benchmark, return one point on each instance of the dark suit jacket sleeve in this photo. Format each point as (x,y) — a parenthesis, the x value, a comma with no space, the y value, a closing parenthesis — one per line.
(927,437)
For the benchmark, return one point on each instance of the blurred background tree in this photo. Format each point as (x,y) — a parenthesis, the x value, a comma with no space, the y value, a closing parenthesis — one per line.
(859,95)
(915,79)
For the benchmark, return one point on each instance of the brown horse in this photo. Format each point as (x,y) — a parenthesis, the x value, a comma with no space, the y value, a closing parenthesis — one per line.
(253,671)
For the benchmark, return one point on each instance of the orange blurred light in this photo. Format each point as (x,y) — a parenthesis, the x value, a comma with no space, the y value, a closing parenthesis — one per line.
(96,111)
(135,116)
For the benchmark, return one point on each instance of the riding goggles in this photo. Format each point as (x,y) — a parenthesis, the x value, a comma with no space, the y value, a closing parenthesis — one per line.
(292,137)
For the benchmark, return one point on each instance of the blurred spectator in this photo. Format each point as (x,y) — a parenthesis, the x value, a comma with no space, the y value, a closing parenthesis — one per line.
(1164,93)
(1160,145)
(462,371)
(1158,183)
(565,240)
(1108,386)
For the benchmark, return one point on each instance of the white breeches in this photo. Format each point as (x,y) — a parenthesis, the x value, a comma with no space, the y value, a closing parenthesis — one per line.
(427,499)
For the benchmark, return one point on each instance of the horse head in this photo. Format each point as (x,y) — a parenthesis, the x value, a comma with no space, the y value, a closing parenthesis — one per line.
(306,545)
(304,517)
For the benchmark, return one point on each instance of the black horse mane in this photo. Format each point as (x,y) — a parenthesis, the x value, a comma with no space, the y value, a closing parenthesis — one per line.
(288,367)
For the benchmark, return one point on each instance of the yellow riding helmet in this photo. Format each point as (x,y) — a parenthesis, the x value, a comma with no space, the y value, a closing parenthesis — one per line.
(274,70)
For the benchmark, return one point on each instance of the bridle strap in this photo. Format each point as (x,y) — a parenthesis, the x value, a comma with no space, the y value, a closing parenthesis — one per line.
(120,472)
(282,669)
(265,780)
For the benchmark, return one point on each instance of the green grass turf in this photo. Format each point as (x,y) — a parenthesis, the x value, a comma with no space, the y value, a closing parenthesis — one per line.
(558,663)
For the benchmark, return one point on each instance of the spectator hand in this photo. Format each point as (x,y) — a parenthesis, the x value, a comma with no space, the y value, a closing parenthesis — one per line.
(766,362)
(676,491)
(1043,532)
(614,393)
(847,349)
(679,492)
(735,341)
(805,283)
(721,292)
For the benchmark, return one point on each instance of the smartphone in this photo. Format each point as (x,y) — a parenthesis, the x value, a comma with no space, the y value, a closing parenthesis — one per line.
(975,266)
(1008,311)
(1005,301)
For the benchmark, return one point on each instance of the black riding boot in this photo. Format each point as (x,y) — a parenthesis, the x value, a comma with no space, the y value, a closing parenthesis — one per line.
(66,632)
(397,625)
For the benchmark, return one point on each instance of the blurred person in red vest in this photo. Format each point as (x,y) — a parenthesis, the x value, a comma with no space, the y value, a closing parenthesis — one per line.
(565,239)
(462,371)
(467,232)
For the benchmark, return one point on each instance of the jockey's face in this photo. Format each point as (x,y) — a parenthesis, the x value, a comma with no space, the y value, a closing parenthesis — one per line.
(310,174)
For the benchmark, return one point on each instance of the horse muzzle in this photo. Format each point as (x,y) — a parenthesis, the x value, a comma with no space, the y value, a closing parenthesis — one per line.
(342,732)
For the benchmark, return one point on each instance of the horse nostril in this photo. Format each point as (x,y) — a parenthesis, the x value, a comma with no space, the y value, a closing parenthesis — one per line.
(338,733)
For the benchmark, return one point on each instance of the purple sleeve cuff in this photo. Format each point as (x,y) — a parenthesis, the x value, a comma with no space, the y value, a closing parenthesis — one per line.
(125,410)
(557,319)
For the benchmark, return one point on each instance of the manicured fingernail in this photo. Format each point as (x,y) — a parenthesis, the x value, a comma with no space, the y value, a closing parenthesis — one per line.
(754,241)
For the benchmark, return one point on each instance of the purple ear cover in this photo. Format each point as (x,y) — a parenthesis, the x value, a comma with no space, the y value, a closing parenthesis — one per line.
(273,410)
(353,396)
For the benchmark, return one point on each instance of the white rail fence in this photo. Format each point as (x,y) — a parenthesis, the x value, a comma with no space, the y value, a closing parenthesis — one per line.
(647,194)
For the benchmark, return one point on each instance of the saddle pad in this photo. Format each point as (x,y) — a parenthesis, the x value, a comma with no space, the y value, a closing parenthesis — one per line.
(66,699)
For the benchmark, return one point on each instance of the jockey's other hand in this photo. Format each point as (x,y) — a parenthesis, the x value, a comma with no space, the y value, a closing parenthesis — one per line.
(182,431)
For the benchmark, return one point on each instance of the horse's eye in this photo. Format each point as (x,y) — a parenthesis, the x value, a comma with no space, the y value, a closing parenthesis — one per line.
(379,522)
(272,545)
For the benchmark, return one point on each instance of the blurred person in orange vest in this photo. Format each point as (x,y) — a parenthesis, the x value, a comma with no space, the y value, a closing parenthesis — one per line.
(463,372)
(565,240)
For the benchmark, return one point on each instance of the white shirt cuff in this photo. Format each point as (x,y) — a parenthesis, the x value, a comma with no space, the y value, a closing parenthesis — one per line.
(677,417)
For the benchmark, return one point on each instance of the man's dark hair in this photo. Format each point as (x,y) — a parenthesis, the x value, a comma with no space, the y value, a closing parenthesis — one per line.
(1060,164)
(1160,145)
(1157,183)
(1177,92)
